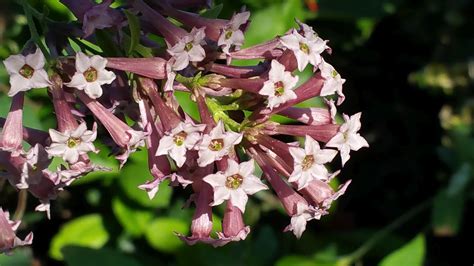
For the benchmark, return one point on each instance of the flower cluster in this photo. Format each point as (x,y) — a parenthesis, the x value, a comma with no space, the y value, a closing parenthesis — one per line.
(133,99)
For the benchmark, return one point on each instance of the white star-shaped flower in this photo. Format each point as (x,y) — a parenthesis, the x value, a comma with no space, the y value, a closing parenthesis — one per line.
(182,138)
(307,49)
(71,144)
(231,35)
(309,162)
(347,138)
(26,72)
(279,86)
(188,49)
(217,144)
(90,75)
(304,213)
(235,184)
(332,81)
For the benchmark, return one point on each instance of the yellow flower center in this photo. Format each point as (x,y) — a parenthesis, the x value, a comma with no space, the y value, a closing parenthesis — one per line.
(216,144)
(307,162)
(180,138)
(304,47)
(188,46)
(279,88)
(73,142)
(90,74)
(234,181)
(26,71)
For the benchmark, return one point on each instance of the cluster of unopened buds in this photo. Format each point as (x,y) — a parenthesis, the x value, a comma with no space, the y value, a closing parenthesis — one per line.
(217,154)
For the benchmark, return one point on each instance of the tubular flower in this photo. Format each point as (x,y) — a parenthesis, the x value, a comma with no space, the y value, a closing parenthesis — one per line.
(26,72)
(348,138)
(232,35)
(71,144)
(188,49)
(217,144)
(182,138)
(90,75)
(309,163)
(235,183)
(279,86)
(211,152)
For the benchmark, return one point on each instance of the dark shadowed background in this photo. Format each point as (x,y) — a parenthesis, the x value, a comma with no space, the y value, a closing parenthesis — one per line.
(409,67)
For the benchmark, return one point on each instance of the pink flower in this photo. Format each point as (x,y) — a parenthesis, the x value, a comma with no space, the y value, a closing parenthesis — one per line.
(235,184)
(8,239)
(26,72)
(347,138)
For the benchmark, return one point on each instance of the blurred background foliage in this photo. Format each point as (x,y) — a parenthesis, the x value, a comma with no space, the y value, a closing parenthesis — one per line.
(409,67)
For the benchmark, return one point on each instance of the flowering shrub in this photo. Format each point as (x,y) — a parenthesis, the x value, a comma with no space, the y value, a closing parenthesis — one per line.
(129,102)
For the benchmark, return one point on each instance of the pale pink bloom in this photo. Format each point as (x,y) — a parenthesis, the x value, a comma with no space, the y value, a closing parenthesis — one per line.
(306,49)
(304,213)
(90,75)
(188,49)
(26,72)
(309,163)
(8,239)
(232,35)
(332,81)
(235,184)
(347,138)
(217,144)
(279,86)
(182,138)
(71,144)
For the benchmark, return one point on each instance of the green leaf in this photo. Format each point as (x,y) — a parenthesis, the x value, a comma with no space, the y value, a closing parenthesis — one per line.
(212,12)
(136,173)
(79,256)
(133,220)
(19,257)
(161,234)
(85,231)
(134,25)
(413,254)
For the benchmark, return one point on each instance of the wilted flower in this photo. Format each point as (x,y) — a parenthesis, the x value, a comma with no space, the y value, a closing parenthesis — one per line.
(26,72)
(91,74)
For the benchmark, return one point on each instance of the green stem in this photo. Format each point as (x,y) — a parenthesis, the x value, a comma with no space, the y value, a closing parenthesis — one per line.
(33,31)
(371,242)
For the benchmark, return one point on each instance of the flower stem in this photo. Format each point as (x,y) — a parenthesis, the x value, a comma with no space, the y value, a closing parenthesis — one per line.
(33,31)
(21,205)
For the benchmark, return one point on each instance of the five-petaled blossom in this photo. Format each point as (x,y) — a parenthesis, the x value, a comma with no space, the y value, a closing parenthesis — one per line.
(332,81)
(188,49)
(217,144)
(347,138)
(235,183)
(232,35)
(91,74)
(26,72)
(182,138)
(71,144)
(309,163)
(279,86)
(307,49)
